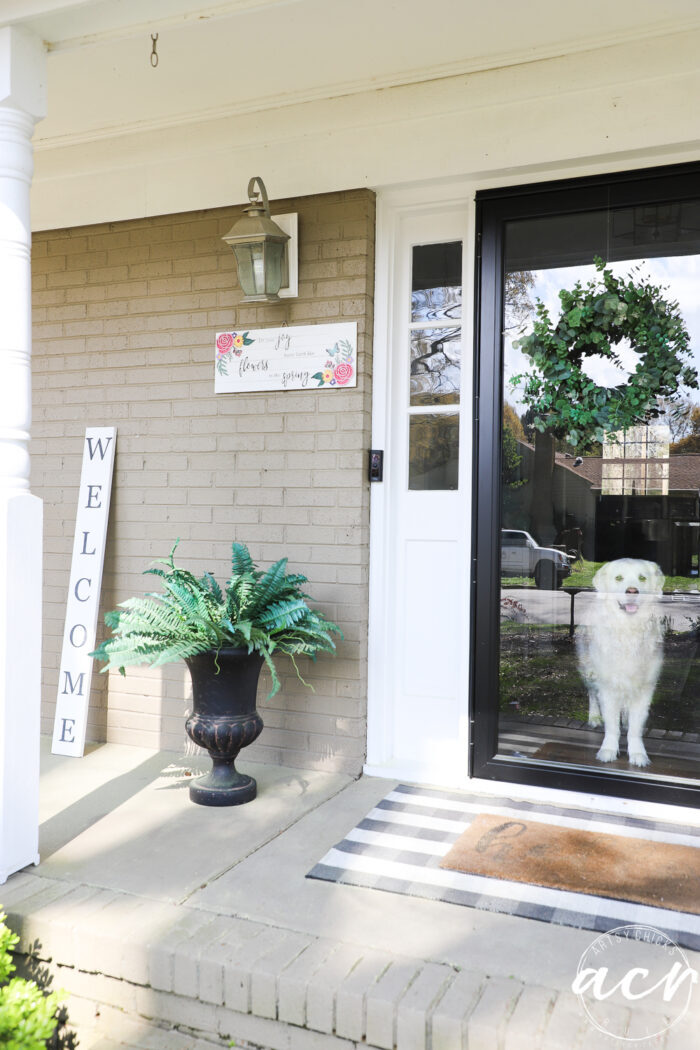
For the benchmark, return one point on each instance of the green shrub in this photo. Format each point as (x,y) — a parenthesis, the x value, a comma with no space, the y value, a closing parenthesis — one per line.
(28,1017)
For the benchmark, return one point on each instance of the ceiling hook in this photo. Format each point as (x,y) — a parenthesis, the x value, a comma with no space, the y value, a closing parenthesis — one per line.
(154,53)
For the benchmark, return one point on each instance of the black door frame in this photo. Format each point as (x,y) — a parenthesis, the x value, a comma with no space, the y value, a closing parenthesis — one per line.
(494,208)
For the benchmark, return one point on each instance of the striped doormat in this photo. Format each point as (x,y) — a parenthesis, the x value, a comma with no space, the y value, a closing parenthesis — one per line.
(400,843)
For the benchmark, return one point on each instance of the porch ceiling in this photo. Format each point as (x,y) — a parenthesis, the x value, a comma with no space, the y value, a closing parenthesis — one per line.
(237,56)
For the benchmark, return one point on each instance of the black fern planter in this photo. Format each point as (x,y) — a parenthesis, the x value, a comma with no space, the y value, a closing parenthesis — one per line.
(224,720)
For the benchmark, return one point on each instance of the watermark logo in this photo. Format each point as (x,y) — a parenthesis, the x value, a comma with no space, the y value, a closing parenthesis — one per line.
(614,980)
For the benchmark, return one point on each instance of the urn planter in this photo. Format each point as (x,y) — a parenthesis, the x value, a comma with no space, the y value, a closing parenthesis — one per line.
(224,635)
(224,720)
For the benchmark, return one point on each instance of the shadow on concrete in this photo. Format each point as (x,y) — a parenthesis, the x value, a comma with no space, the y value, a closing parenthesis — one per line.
(68,823)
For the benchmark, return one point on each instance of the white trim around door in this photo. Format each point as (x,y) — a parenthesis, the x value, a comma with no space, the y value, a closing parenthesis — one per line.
(420,536)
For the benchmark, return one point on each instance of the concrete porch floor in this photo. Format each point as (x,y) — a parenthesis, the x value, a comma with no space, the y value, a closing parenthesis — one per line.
(178,927)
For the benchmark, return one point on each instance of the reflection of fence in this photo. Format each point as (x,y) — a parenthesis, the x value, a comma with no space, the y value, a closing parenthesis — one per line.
(530,605)
(572,592)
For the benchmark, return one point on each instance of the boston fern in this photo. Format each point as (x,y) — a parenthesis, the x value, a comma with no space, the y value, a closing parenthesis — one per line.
(264,612)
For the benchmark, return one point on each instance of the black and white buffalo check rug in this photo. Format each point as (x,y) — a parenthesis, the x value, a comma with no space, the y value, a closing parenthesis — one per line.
(400,843)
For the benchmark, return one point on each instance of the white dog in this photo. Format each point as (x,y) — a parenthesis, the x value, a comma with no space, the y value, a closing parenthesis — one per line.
(619,652)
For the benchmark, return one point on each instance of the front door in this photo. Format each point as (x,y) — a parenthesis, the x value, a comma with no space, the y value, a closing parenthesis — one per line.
(587,613)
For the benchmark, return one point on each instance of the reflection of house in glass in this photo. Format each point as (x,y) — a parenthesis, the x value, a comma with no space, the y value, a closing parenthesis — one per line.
(643,504)
(636,462)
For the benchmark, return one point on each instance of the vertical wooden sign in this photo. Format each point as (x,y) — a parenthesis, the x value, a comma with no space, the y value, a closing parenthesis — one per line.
(75,674)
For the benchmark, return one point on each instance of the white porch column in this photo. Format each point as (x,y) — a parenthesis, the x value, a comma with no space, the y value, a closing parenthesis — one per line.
(22,103)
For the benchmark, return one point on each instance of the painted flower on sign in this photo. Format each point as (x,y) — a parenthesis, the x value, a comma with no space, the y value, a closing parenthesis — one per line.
(343,373)
(228,343)
(338,370)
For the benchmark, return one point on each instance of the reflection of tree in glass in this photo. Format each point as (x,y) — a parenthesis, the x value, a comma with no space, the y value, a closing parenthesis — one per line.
(431,304)
(434,451)
(519,307)
(511,459)
(436,371)
(675,413)
(690,441)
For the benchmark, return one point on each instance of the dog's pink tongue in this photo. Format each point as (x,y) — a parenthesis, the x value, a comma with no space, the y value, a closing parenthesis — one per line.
(631,607)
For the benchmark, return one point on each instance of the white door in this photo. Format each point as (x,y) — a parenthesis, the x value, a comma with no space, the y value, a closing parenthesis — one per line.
(420,532)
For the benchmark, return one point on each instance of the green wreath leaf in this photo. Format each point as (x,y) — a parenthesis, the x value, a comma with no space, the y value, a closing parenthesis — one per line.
(594,320)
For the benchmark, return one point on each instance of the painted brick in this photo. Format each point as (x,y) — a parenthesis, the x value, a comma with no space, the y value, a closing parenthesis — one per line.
(529,1019)
(566,1023)
(295,979)
(681,1035)
(161,962)
(487,1023)
(124,328)
(382,1003)
(24,914)
(187,959)
(618,1019)
(449,1019)
(321,993)
(238,966)
(266,970)
(351,998)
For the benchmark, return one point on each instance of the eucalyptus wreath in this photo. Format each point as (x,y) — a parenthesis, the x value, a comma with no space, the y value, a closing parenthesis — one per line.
(595,319)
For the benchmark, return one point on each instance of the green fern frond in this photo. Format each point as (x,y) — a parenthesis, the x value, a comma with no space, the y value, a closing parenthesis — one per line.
(180,651)
(209,582)
(276,684)
(295,580)
(241,628)
(283,614)
(241,593)
(241,561)
(265,611)
(269,586)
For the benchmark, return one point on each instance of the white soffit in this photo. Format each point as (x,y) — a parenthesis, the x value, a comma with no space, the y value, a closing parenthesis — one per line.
(252,55)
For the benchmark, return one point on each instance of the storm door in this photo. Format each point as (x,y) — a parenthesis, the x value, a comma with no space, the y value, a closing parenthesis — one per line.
(587,553)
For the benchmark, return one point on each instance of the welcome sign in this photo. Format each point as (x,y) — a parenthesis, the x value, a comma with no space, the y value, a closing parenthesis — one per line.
(306,357)
(82,607)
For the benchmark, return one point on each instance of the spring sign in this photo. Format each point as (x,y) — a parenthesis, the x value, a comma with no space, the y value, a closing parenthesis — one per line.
(303,357)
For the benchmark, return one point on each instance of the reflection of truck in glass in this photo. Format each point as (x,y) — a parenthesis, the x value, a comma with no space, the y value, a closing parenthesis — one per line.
(521,556)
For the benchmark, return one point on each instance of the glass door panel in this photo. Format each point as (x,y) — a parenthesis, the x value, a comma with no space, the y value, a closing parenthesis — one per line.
(435,359)
(598,618)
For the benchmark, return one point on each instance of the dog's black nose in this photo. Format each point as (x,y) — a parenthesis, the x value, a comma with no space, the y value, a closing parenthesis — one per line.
(631,590)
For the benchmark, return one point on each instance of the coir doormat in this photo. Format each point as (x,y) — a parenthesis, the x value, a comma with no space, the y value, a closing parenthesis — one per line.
(401,844)
(661,874)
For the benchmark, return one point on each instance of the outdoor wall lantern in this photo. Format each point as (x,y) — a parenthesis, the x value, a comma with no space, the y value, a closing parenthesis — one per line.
(261,247)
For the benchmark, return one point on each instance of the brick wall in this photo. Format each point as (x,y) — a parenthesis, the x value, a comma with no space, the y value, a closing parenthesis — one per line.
(124,321)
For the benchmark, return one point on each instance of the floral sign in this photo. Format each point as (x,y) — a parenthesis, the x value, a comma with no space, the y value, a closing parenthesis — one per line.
(303,357)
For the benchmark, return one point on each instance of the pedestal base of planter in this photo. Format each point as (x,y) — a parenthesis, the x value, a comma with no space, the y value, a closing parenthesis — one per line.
(224,719)
(211,791)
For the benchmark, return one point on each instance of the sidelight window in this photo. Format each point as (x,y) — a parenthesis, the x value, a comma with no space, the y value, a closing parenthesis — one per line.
(435,334)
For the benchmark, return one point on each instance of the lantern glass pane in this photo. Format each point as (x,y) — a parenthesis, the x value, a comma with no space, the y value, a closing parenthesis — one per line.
(246,271)
(257,252)
(273,268)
